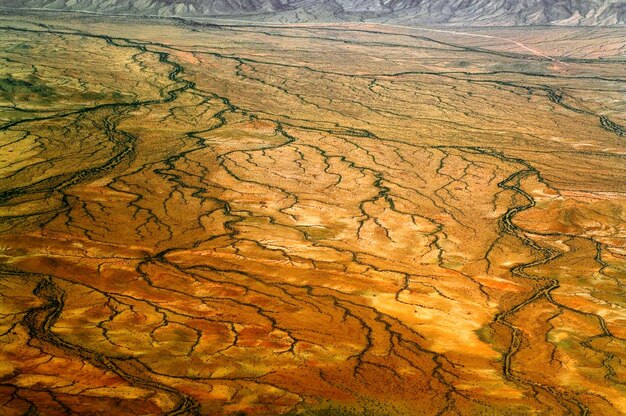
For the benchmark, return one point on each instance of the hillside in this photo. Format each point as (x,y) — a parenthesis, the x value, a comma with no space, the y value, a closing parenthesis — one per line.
(458,12)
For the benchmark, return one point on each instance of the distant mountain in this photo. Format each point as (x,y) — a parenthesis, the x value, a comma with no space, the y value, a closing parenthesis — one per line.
(462,12)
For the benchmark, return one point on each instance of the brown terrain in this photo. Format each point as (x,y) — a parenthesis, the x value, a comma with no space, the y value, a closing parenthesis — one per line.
(347,219)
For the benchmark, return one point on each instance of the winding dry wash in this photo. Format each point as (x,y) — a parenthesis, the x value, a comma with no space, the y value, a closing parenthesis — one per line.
(349,219)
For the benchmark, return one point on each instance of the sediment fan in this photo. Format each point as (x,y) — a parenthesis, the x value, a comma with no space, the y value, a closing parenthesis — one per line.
(475,12)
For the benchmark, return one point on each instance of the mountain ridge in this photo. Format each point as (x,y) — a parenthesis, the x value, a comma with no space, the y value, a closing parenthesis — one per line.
(456,12)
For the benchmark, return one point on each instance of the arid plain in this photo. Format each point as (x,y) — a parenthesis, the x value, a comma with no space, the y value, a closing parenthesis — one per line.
(348,219)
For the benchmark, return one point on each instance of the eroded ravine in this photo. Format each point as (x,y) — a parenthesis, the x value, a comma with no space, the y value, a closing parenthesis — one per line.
(40,321)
